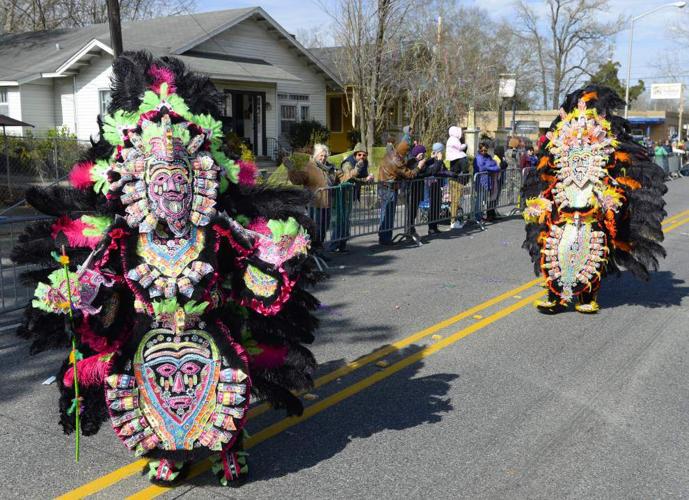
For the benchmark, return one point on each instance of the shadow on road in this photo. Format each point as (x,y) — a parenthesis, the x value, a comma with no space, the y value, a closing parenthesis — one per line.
(397,403)
(662,290)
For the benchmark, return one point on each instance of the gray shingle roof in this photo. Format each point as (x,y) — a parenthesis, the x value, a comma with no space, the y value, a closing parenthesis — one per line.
(29,54)
(329,56)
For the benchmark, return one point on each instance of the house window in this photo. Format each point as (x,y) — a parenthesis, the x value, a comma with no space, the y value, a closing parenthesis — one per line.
(288,117)
(4,103)
(105,98)
(304,113)
(336,114)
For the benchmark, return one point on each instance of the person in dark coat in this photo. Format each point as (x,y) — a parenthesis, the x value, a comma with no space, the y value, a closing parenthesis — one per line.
(418,162)
(497,180)
(484,168)
(435,172)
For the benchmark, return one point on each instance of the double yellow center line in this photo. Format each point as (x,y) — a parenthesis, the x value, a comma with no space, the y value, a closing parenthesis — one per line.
(152,491)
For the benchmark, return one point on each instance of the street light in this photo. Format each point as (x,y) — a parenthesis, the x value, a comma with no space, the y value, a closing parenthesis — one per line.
(679,5)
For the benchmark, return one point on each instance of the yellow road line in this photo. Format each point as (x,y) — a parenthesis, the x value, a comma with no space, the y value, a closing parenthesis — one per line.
(349,391)
(133,468)
(675,225)
(105,481)
(675,217)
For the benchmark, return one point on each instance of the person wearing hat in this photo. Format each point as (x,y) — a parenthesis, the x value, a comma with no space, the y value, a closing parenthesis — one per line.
(393,168)
(352,173)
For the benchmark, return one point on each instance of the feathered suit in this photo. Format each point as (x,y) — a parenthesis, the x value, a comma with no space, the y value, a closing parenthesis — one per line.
(593,204)
(188,296)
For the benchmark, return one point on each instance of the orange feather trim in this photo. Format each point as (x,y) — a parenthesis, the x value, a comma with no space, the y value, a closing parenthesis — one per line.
(589,95)
(543,162)
(622,245)
(629,182)
(623,156)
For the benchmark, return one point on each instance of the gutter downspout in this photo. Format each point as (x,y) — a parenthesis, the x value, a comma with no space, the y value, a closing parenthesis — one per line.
(74,106)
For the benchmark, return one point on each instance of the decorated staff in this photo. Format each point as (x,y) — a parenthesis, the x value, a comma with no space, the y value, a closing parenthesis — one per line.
(594,203)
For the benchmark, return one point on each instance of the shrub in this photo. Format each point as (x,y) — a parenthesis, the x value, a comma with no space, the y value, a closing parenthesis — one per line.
(307,133)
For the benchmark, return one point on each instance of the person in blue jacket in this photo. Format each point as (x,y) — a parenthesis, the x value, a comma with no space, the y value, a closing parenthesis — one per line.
(484,165)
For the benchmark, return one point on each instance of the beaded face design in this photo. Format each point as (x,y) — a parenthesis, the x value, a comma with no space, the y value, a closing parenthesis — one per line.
(170,193)
(177,373)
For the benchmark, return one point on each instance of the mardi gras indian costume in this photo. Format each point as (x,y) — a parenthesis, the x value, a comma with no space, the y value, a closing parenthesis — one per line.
(599,203)
(186,280)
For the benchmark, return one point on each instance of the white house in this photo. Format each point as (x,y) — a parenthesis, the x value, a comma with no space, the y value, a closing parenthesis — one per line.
(61,78)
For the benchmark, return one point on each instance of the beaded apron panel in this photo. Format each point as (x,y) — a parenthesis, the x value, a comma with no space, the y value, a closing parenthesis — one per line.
(180,394)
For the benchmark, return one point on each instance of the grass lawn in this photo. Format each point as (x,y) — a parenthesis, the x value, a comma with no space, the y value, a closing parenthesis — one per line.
(300,159)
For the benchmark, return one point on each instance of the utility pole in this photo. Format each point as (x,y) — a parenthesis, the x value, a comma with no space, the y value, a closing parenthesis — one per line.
(115,26)
(681,110)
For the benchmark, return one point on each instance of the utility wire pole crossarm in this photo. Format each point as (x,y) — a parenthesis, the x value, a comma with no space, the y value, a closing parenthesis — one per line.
(679,5)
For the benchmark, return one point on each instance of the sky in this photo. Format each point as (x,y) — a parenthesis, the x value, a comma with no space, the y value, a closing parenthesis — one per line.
(652,39)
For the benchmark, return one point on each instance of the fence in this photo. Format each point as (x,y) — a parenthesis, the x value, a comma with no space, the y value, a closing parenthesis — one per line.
(352,210)
(27,161)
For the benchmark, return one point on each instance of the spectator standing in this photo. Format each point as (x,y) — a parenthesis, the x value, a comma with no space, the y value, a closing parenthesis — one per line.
(392,169)
(389,145)
(352,173)
(459,164)
(316,176)
(661,158)
(528,159)
(414,190)
(497,182)
(407,134)
(435,172)
(485,168)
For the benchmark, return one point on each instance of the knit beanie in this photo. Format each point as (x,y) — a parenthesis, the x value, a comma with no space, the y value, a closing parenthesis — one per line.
(438,147)
(418,149)
(359,148)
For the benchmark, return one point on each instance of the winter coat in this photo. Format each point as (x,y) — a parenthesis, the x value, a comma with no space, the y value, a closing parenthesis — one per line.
(394,168)
(349,164)
(316,178)
(435,168)
(528,161)
(454,148)
(485,163)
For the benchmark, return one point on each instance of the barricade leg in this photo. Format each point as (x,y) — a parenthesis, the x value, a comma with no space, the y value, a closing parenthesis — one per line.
(435,193)
(479,196)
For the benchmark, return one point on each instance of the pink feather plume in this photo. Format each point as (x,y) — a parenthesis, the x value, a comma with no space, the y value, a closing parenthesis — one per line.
(247,173)
(91,371)
(73,229)
(160,76)
(80,175)
(260,225)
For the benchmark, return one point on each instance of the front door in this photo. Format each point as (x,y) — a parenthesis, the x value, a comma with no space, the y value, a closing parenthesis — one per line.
(244,115)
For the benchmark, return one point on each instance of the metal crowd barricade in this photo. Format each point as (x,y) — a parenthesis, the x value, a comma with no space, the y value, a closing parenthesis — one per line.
(352,210)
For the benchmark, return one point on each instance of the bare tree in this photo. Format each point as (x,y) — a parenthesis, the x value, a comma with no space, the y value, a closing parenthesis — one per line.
(369,34)
(455,63)
(18,16)
(569,41)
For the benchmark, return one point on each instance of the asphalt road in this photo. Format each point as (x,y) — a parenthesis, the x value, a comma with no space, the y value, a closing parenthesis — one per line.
(489,399)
